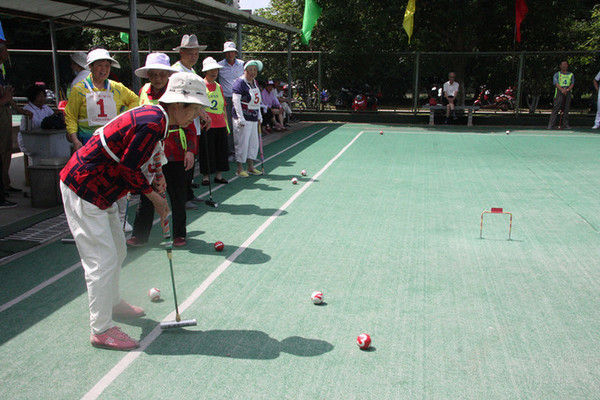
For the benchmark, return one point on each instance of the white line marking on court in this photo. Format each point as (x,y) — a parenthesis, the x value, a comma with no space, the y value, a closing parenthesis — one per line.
(126,361)
(75,266)
(39,287)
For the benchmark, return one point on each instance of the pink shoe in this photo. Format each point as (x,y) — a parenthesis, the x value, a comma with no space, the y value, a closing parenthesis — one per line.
(114,339)
(126,310)
(179,241)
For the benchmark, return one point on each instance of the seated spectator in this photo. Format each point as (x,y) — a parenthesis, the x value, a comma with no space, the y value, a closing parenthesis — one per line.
(269,100)
(450,91)
(40,110)
(286,105)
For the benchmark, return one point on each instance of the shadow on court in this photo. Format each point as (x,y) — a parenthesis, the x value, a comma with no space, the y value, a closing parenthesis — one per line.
(247,209)
(243,344)
(249,256)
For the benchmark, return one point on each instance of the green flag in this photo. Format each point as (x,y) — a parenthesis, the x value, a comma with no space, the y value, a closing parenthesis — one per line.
(312,12)
(125,37)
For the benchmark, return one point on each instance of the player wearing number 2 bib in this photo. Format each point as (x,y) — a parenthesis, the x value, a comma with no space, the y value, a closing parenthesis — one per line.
(96,100)
(246,117)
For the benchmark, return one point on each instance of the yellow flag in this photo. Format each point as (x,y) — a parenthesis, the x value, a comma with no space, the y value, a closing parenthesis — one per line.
(409,15)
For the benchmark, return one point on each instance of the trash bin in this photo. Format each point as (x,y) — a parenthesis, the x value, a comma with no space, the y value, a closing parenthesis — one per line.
(45,190)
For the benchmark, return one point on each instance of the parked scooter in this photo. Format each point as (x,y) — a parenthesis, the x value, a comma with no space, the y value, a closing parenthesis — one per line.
(367,100)
(503,101)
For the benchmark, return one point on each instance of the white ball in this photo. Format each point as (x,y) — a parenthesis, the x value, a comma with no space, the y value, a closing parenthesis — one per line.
(507,132)
(154,294)
(303,172)
(317,297)
(294,181)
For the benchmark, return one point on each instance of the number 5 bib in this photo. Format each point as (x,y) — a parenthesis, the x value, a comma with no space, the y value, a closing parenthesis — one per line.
(254,103)
(101,108)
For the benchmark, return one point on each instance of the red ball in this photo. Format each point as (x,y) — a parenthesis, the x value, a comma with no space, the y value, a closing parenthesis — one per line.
(219,246)
(381,132)
(364,341)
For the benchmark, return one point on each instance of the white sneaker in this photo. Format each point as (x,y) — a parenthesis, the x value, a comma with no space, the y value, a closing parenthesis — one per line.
(595,126)
(128,228)
(190,206)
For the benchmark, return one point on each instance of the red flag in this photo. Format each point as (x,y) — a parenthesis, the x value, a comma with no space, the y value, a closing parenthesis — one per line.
(520,12)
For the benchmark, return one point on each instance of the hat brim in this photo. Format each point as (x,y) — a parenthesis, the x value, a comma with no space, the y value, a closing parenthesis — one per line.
(199,47)
(211,67)
(113,63)
(143,71)
(175,97)
(228,50)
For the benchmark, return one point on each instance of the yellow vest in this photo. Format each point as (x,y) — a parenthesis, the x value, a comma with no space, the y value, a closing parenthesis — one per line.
(217,101)
(144,99)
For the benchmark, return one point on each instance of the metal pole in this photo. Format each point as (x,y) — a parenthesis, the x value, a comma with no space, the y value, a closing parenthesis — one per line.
(133,43)
(239,40)
(289,67)
(519,81)
(149,43)
(55,61)
(319,83)
(416,87)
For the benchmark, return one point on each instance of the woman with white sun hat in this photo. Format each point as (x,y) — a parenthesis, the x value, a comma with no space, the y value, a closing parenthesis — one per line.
(246,117)
(111,164)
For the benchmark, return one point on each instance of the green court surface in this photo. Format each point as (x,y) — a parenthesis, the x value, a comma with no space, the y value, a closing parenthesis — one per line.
(387,226)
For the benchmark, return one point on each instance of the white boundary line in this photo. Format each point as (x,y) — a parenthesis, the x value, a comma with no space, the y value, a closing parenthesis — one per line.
(39,287)
(128,359)
(73,267)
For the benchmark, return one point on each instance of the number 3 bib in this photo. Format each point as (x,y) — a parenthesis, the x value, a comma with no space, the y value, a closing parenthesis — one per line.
(101,108)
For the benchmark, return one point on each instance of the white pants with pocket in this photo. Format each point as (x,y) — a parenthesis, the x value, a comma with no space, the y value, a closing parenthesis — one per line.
(101,244)
(245,140)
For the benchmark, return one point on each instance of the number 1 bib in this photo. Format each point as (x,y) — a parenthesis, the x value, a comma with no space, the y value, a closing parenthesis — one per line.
(101,107)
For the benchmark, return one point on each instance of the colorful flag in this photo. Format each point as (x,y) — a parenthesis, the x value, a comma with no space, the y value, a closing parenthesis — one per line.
(124,37)
(520,12)
(409,16)
(312,12)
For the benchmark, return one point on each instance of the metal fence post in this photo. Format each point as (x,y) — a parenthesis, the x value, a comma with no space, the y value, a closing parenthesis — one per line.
(319,88)
(289,66)
(55,61)
(416,86)
(519,83)
(133,44)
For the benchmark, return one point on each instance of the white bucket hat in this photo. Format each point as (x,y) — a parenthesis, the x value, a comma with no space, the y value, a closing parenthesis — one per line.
(210,63)
(256,63)
(80,58)
(229,46)
(189,42)
(101,54)
(185,87)
(155,61)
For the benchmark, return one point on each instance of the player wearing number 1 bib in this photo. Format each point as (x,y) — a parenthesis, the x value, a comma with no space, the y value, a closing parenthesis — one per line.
(96,100)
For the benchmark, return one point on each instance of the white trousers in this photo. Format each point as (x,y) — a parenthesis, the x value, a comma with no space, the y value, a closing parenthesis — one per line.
(597,122)
(286,110)
(101,245)
(245,140)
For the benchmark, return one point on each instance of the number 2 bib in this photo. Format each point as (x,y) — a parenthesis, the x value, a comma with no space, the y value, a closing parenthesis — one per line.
(101,107)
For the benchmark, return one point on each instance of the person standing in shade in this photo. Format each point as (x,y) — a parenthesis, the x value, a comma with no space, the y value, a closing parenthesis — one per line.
(94,102)
(189,52)
(450,91)
(157,69)
(232,69)
(563,85)
(79,68)
(246,117)
(6,102)
(597,121)
(212,148)
(106,168)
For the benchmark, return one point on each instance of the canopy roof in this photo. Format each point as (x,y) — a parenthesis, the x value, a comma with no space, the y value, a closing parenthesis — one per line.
(152,15)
